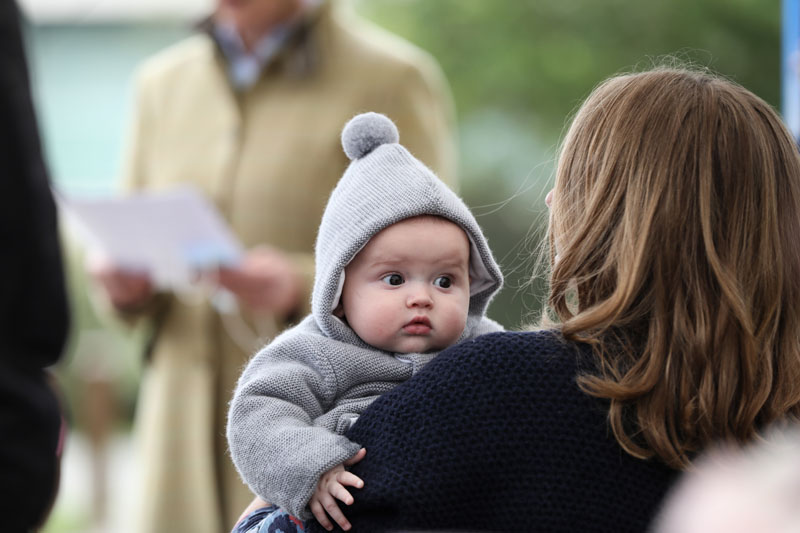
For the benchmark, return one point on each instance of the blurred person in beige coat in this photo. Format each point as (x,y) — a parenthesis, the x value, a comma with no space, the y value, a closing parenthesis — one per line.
(249,111)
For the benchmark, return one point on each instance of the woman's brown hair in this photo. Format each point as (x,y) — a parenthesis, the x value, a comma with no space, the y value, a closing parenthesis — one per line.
(675,238)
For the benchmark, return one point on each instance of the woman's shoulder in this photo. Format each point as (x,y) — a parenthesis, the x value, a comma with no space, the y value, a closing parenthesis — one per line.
(543,338)
(536,348)
(535,360)
(508,405)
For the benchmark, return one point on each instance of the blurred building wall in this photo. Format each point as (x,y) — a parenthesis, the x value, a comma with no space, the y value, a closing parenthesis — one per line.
(81,78)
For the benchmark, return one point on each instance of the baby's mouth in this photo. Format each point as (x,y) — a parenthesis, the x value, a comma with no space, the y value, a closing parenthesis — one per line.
(419,325)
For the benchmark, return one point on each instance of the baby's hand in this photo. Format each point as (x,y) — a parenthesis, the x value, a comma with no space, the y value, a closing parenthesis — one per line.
(331,487)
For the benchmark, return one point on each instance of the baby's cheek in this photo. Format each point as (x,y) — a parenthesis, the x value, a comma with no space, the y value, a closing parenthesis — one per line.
(456,323)
(460,311)
(379,327)
(383,329)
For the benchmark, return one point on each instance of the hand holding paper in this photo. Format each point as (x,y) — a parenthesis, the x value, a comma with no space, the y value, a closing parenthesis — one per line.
(167,236)
(128,290)
(265,280)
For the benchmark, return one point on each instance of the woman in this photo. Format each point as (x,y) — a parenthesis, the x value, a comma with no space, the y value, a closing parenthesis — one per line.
(674,324)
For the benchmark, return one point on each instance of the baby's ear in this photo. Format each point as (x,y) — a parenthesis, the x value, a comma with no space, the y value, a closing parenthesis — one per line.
(338,312)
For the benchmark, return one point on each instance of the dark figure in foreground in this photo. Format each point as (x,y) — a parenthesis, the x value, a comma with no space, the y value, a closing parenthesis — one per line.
(675,277)
(33,312)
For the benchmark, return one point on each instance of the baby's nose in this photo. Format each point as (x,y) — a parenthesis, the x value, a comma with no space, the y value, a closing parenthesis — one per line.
(419,296)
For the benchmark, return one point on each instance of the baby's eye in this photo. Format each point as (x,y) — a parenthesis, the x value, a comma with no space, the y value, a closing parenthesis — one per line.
(393,279)
(443,282)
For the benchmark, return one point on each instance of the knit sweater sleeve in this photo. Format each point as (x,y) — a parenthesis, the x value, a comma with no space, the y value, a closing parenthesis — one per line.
(276,447)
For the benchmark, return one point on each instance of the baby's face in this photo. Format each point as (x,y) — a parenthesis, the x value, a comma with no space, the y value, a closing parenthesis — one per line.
(407,290)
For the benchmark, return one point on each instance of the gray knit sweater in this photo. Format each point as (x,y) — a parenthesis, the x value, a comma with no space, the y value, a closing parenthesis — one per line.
(299,394)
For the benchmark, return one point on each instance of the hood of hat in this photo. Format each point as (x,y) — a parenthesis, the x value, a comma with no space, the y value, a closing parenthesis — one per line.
(383,187)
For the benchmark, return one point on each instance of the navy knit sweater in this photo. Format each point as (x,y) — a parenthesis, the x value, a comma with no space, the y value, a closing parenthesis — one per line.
(494,435)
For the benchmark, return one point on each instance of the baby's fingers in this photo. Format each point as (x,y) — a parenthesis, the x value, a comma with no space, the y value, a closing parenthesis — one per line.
(319,513)
(333,510)
(356,458)
(340,493)
(349,479)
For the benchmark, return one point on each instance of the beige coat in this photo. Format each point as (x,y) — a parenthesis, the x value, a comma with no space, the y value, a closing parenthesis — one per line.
(268,159)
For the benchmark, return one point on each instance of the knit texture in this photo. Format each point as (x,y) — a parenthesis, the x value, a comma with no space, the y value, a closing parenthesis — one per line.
(494,435)
(299,394)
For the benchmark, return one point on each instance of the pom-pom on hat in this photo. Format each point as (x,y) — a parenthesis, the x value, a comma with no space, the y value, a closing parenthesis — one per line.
(385,184)
(366,132)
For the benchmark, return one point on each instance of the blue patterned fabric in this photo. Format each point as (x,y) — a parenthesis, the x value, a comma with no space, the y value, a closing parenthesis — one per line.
(270,519)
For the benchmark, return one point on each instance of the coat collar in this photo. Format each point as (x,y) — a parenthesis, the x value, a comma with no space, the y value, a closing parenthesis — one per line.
(300,51)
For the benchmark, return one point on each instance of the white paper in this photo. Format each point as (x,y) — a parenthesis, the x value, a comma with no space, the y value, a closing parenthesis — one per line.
(171,235)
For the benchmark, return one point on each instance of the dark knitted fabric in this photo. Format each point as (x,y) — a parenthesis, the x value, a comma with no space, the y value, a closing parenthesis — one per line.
(494,435)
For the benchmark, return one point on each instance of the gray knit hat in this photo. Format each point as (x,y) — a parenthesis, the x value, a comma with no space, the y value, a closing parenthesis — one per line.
(385,184)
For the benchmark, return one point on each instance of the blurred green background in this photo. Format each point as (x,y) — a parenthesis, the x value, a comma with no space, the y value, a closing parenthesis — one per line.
(517,68)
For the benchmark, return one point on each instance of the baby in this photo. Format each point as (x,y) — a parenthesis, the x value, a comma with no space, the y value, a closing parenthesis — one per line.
(402,272)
